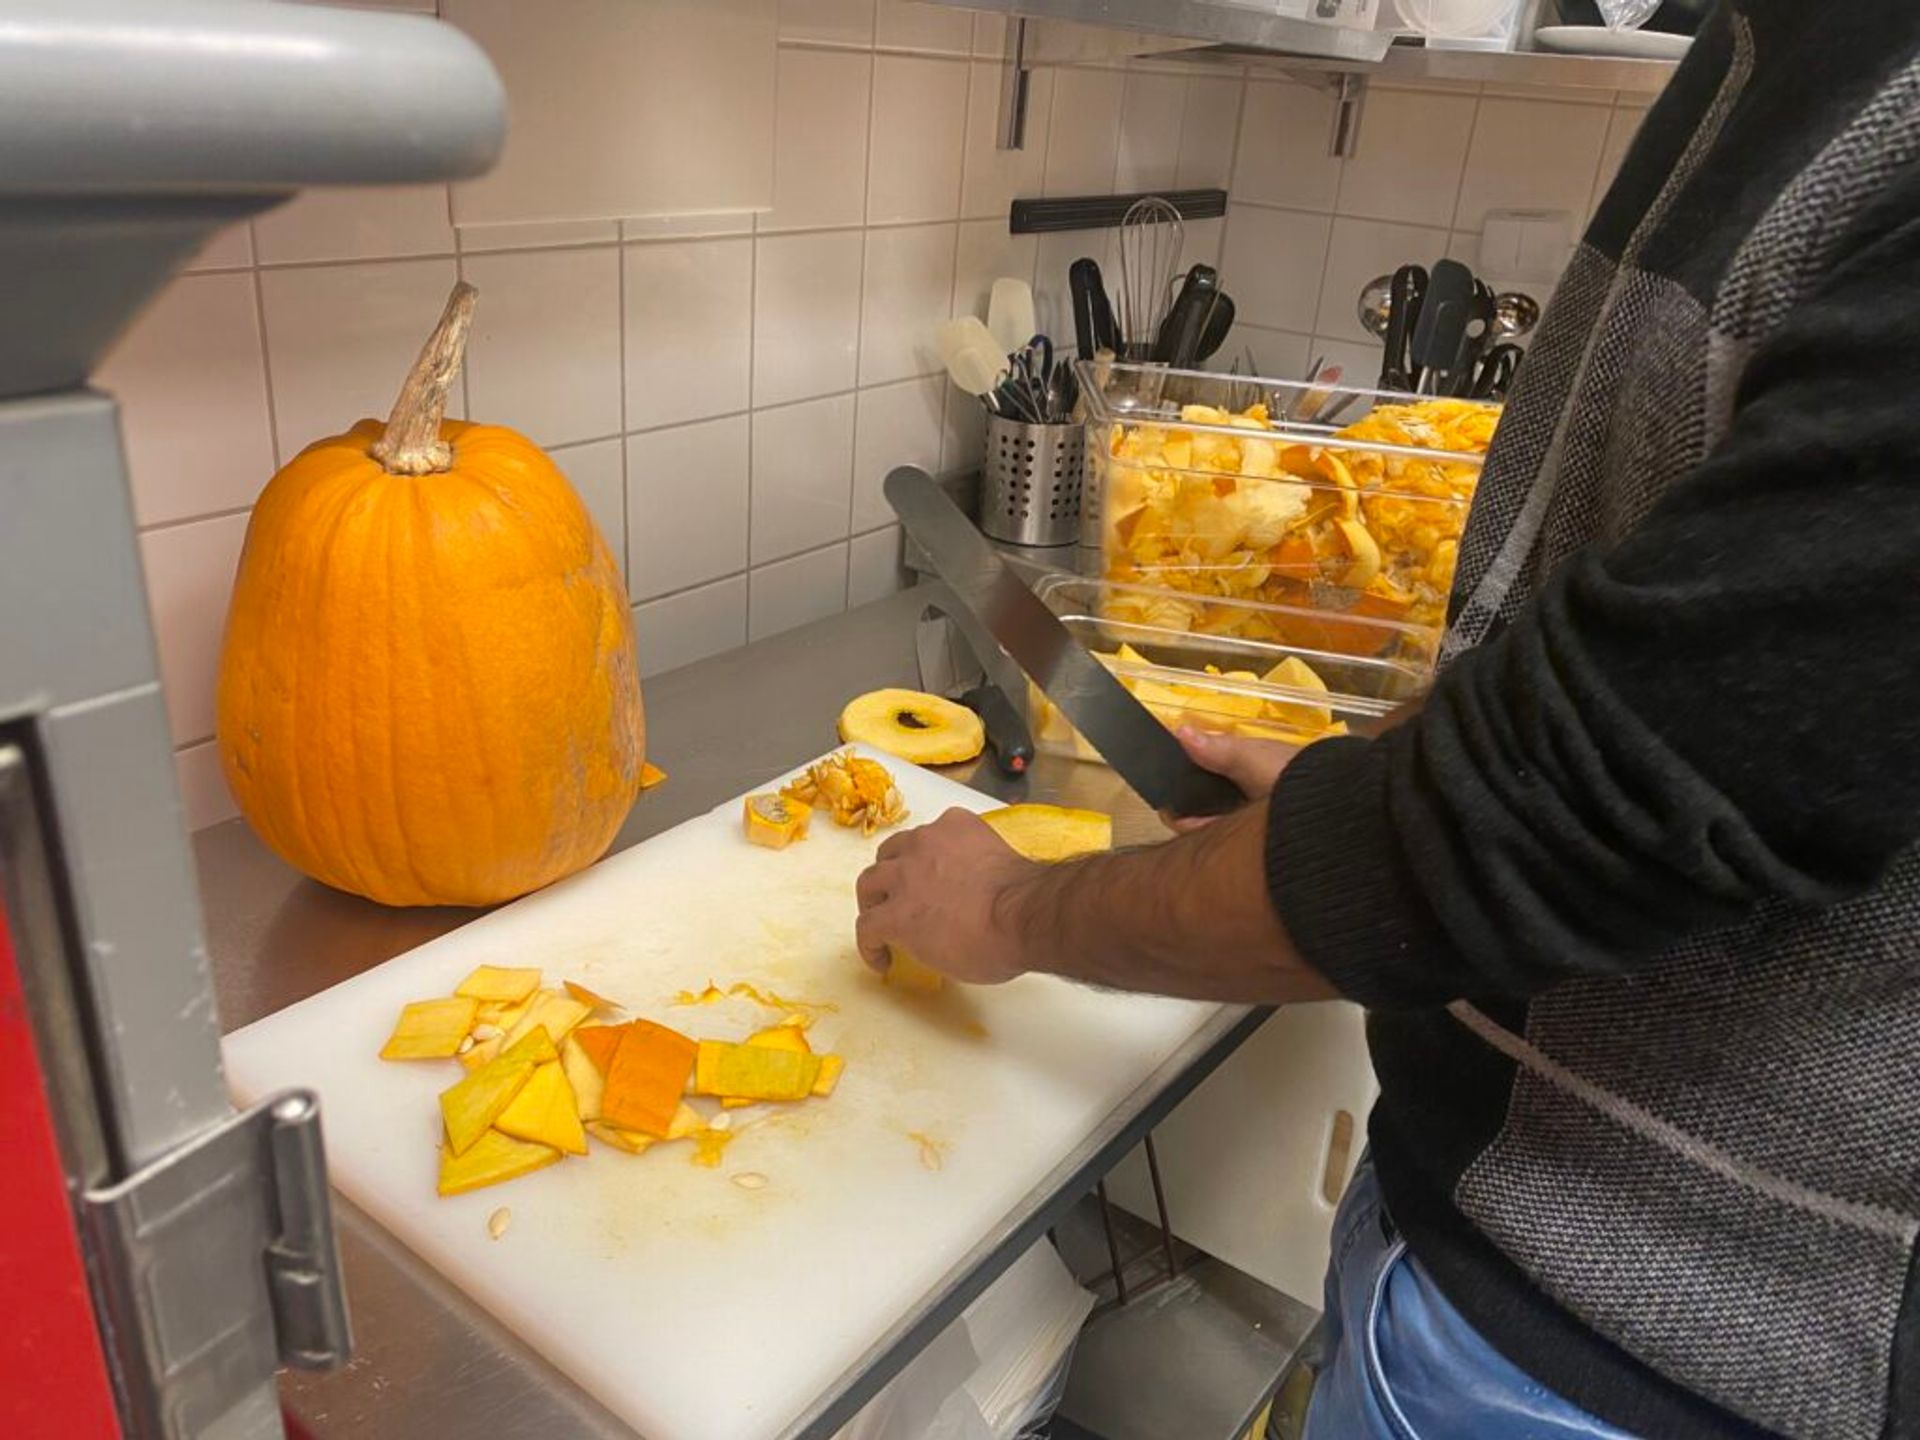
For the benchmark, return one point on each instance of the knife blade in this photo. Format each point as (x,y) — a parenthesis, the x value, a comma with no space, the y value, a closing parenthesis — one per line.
(1139,748)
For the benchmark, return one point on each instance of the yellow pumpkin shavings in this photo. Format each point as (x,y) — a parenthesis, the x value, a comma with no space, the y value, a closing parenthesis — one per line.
(753,1072)
(631,1141)
(500,984)
(583,1077)
(430,1029)
(557,1014)
(855,791)
(712,995)
(709,1146)
(830,1068)
(906,973)
(492,1158)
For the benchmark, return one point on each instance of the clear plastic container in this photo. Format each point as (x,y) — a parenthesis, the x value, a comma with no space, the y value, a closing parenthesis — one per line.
(1207,485)
(1294,691)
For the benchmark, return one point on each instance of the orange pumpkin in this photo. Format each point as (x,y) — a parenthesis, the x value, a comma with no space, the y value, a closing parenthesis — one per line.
(428,693)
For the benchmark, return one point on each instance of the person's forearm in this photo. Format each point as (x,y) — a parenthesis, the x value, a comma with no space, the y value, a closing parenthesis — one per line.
(1189,917)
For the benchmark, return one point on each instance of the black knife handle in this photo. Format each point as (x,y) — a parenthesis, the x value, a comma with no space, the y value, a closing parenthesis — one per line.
(1007,733)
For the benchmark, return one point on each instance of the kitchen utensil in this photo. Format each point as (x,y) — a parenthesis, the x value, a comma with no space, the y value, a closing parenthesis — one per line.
(1178,341)
(1010,314)
(973,362)
(1475,337)
(1623,44)
(1406,293)
(1376,306)
(1310,402)
(1493,377)
(1515,314)
(1219,324)
(1030,482)
(1008,737)
(1441,326)
(1093,326)
(612,1260)
(1133,742)
(1152,239)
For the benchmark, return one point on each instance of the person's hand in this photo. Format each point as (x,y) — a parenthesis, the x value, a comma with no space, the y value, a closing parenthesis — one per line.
(939,893)
(1253,765)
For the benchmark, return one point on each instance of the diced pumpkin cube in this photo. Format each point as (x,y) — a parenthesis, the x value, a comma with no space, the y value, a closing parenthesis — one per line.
(583,1076)
(647,1078)
(491,1158)
(473,1104)
(500,984)
(544,1112)
(906,973)
(536,1045)
(429,1029)
(589,998)
(753,1072)
(631,1141)
(775,821)
(559,1013)
(830,1068)
(600,1041)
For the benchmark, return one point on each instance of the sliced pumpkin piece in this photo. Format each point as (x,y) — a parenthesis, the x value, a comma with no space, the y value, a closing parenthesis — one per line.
(734,1102)
(506,1013)
(536,1045)
(500,984)
(775,821)
(583,1077)
(544,1112)
(754,1072)
(430,1029)
(1051,832)
(651,775)
(906,973)
(631,1141)
(686,1121)
(591,999)
(599,1041)
(830,1068)
(558,1013)
(470,1106)
(781,1037)
(911,725)
(493,1157)
(647,1078)
(484,1052)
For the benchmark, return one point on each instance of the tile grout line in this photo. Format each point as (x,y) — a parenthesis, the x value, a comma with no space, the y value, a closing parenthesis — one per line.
(266,355)
(626,517)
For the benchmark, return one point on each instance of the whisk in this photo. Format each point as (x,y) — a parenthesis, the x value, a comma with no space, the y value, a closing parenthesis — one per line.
(1152,240)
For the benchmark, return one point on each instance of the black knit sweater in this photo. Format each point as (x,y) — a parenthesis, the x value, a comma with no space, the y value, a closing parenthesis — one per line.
(1635,900)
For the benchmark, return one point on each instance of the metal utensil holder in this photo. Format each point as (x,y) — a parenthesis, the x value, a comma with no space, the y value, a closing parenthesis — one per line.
(1032,482)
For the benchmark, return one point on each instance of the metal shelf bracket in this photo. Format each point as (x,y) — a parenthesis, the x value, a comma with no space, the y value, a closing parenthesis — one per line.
(216,1265)
(1349,106)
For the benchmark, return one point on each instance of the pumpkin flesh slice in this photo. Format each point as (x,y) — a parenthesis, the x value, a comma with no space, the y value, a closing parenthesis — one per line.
(631,1141)
(583,1077)
(470,1107)
(500,984)
(647,1078)
(544,1112)
(430,1029)
(492,1158)
(558,1013)
(754,1072)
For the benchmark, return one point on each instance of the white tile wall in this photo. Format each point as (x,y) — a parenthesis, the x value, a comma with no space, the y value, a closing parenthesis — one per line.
(686,506)
(802,476)
(728,391)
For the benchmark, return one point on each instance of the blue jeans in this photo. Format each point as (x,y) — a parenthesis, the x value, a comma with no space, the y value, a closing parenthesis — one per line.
(1403,1364)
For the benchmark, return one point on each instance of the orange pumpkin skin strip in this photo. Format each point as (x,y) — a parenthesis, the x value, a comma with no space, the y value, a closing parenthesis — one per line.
(647,1078)
(600,1041)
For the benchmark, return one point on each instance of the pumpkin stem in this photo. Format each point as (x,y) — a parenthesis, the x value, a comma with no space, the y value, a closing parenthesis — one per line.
(412,443)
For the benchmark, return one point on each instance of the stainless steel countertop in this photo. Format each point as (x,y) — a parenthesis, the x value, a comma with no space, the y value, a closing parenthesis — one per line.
(427,1360)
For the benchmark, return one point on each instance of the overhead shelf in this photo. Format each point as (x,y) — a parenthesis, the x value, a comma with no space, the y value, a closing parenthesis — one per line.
(1410,62)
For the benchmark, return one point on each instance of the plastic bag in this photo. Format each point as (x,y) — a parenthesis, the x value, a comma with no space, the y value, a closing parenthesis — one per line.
(1627,14)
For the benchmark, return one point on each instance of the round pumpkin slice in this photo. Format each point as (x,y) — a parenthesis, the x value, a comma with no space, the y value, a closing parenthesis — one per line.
(912,726)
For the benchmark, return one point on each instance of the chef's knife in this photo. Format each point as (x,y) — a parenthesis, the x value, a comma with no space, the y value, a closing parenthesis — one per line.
(1143,752)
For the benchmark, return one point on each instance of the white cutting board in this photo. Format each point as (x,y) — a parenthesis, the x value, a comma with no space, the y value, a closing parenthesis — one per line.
(691,1307)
